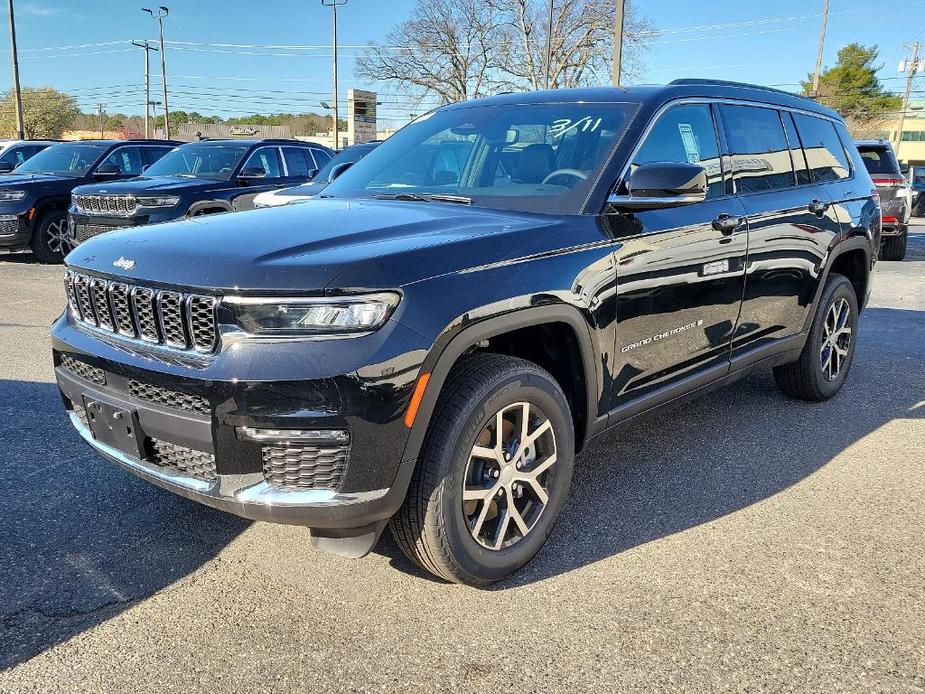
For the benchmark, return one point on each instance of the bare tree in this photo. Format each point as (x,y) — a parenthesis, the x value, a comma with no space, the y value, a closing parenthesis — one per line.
(463,49)
(444,48)
(582,42)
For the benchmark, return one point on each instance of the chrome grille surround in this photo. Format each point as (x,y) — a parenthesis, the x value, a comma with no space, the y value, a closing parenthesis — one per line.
(108,205)
(175,320)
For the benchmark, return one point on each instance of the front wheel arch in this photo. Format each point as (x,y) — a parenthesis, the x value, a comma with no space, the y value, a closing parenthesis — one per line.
(441,361)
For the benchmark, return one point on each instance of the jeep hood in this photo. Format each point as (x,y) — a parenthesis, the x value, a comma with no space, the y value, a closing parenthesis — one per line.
(149,184)
(307,247)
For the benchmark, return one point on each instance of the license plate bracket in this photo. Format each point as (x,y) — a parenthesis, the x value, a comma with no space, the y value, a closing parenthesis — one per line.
(115,425)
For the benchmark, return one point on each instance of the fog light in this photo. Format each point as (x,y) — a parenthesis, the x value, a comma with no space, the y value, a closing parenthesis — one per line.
(340,437)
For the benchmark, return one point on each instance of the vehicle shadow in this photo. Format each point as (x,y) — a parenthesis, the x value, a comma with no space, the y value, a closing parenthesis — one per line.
(679,468)
(23,258)
(82,539)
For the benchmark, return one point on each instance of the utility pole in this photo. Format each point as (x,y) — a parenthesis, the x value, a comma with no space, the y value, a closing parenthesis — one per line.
(159,16)
(617,70)
(910,68)
(147,48)
(17,92)
(548,44)
(99,108)
(333,4)
(825,19)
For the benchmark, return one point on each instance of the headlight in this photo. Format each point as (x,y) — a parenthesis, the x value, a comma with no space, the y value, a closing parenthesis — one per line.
(158,201)
(361,313)
(10,195)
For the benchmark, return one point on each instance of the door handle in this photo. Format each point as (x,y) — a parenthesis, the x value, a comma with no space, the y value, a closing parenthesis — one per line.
(726,224)
(818,208)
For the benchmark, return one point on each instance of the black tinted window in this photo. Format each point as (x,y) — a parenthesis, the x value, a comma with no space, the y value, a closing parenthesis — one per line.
(825,154)
(128,159)
(877,160)
(685,134)
(155,153)
(760,153)
(796,150)
(298,161)
(321,157)
(266,158)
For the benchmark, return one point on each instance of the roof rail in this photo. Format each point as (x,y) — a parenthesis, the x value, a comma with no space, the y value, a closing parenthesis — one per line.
(729,83)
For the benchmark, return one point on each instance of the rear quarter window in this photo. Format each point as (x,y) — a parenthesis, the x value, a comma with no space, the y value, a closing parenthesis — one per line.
(825,153)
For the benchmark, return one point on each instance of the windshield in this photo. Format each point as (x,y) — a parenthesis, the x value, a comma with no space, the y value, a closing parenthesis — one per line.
(530,157)
(64,160)
(199,161)
(348,156)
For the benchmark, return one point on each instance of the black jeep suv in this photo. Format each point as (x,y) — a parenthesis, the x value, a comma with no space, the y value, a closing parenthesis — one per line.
(432,349)
(34,198)
(196,179)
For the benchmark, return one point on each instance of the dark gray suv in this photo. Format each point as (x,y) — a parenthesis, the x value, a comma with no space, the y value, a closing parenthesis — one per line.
(895,196)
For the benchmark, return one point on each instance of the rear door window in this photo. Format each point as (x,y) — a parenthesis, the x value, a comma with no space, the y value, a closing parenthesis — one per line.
(152,154)
(759,148)
(298,161)
(796,150)
(684,134)
(825,154)
(321,157)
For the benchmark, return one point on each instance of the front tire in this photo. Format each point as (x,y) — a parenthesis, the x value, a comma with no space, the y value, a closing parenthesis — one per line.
(493,475)
(894,247)
(823,365)
(49,238)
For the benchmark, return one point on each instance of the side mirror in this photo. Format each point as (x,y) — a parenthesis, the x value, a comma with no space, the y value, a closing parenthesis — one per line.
(145,168)
(252,172)
(108,170)
(312,173)
(662,184)
(5,167)
(339,169)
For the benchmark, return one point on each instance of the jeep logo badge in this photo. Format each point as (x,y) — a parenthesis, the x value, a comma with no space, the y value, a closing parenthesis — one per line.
(124,263)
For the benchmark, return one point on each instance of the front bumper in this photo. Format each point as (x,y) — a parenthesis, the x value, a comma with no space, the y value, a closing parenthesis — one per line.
(371,485)
(15,230)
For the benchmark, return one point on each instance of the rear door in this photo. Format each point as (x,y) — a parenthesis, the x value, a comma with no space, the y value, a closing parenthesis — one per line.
(679,271)
(791,223)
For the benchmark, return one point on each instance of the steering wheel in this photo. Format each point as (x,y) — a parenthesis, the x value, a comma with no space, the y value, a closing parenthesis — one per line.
(580,175)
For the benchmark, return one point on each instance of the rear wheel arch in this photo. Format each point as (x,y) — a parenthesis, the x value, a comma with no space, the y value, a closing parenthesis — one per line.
(507,334)
(853,262)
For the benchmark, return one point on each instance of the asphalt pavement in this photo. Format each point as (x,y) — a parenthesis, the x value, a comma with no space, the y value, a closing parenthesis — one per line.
(742,542)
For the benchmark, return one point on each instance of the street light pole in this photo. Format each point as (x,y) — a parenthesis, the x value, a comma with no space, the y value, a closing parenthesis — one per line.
(17,92)
(548,43)
(333,4)
(911,68)
(617,68)
(159,16)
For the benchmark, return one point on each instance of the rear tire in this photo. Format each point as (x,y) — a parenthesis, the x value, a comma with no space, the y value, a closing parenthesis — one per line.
(823,365)
(894,247)
(472,487)
(49,238)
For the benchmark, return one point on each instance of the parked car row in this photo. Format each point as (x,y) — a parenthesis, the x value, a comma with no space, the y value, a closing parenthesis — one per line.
(430,342)
(57,195)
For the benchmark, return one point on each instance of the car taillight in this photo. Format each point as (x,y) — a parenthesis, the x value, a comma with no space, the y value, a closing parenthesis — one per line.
(889,220)
(879,181)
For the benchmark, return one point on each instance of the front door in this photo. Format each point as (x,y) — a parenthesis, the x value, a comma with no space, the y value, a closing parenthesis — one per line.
(679,271)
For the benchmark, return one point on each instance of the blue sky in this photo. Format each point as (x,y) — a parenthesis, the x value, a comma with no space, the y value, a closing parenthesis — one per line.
(769,43)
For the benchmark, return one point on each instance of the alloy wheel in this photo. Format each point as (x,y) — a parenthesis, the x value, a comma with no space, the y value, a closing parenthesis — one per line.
(505,488)
(56,237)
(836,339)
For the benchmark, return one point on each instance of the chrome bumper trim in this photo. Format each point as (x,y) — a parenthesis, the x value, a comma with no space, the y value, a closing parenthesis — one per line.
(231,492)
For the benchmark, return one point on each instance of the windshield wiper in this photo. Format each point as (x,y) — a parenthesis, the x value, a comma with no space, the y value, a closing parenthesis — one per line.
(427,197)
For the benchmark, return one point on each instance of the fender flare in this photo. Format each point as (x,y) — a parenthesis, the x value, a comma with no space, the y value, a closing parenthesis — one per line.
(851,243)
(201,205)
(439,362)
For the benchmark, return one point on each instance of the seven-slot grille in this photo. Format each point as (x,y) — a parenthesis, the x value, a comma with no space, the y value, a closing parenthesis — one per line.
(174,319)
(112,205)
